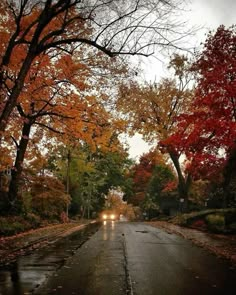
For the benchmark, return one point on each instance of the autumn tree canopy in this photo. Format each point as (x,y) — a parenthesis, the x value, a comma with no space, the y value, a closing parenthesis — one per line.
(59,100)
(206,132)
(31,29)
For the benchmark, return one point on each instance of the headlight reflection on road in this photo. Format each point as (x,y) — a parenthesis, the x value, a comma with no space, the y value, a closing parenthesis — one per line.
(112,224)
(105,230)
(108,230)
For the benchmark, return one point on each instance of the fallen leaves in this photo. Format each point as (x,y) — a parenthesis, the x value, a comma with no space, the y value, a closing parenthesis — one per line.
(221,245)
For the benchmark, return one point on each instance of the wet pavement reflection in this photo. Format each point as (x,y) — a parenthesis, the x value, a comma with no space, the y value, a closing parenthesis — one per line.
(120,258)
(108,230)
(28,272)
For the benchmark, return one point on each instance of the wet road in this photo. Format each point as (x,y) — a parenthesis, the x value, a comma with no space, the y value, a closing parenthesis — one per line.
(32,270)
(121,258)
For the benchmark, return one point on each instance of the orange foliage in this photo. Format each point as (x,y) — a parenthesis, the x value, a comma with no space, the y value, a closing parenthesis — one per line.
(48,197)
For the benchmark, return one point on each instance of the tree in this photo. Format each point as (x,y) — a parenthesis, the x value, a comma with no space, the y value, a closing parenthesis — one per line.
(52,103)
(161,180)
(39,28)
(92,171)
(114,200)
(48,197)
(114,165)
(150,177)
(206,133)
(110,168)
(142,173)
(152,110)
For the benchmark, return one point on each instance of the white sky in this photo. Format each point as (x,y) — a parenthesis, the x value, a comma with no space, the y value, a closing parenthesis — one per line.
(205,13)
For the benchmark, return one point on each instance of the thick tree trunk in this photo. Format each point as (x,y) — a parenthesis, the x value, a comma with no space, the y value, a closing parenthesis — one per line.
(183,184)
(12,99)
(19,83)
(13,197)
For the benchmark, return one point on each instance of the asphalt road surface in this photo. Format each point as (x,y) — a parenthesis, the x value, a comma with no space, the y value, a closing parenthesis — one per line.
(134,258)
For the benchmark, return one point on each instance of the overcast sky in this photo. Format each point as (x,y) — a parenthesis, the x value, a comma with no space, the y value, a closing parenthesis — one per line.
(205,13)
(213,13)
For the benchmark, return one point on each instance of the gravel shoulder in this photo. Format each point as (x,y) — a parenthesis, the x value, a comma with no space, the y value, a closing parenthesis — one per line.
(26,242)
(221,245)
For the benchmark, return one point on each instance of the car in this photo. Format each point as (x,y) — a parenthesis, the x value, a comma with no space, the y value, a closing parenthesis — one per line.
(109,215)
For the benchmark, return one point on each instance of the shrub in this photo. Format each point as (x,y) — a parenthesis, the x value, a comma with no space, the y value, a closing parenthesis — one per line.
(34,219)
(199,224)
(13,225)
(215,222)
(180,219)
(49,199)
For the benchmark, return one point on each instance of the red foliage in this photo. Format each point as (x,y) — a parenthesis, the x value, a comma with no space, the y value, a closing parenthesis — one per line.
(170,186)
(199,224)
(208,131)
(143,171)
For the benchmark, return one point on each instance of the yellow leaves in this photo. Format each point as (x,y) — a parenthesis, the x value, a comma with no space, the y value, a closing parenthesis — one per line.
(83,165)
(37,161)
(119,125)
(114,200)
(152,109)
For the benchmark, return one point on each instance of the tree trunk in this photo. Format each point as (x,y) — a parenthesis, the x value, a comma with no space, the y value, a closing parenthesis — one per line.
(68,179)
(12,99)
(19,82)
(13,197)
(183,184)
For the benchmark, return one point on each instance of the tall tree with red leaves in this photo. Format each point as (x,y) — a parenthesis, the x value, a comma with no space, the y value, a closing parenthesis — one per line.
(207,133)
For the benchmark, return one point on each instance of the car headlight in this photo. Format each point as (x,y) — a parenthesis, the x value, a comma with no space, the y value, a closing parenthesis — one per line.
(104,216)
(112,216)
